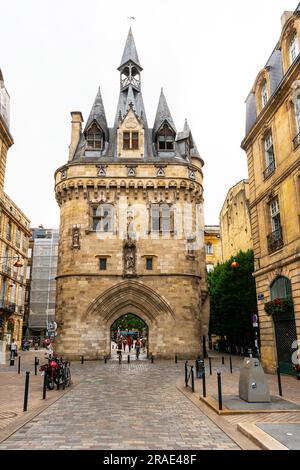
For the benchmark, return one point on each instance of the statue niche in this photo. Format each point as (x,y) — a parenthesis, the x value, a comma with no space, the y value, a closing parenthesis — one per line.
(129,257)
(75,238)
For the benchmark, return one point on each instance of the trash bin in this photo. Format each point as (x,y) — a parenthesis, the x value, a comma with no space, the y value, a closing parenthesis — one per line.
(199,368)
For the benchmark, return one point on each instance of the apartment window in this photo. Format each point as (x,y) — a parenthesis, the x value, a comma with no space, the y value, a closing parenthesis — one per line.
(162,218)
(165,139)
(103,218)
(18,238)
(149,264)
(294,47)
(94,138)
(103,264)
(269,156)
(209,268)
(130,140)
(275,215)
(209,249)
(8,231)
(264,94)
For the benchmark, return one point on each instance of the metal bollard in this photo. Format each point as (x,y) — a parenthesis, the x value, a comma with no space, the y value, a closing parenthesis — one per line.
(128,358)
(230,363)
(220,390)
(120,358)
(279,381)
(26,390)
(12,358)
(204,382)
(19,364)
(82,359)
(186,372)
(36,361)
(210,370)
(45,384)
(176,359)
(105,360)
(193,380)
(223,361)
(152,358)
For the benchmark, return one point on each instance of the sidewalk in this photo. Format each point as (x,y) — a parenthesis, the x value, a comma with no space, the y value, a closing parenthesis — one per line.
(274,430)
(12,416)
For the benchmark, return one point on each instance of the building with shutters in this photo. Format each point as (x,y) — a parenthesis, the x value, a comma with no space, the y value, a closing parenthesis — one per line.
(131,227)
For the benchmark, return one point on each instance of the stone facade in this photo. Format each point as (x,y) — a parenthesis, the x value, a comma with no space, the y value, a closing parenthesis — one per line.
(131,228)
(273,153)
(14,236)
(213,247)
(235,221)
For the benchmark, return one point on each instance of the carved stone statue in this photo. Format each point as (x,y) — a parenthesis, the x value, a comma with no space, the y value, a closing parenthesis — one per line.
(75,238)
(129,256)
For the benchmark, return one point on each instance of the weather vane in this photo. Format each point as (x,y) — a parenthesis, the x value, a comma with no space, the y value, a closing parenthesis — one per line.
(130,17)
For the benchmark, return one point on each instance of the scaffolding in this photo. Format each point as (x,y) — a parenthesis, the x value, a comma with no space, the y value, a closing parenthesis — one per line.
(43,284)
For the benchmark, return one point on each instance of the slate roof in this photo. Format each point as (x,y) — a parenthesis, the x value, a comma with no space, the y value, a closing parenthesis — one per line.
(130,52)
(163,114)
(98,114)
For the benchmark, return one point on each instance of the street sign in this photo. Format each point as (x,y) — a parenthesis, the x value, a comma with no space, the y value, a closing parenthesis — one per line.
(255,325)
(254,318)
(260,297)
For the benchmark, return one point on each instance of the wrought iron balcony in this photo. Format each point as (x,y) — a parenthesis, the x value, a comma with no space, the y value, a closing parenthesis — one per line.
(7,307)
(269,170)
(275,240)
(6,269)
(296,141)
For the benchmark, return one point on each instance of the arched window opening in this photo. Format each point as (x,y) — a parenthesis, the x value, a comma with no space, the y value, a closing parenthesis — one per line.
(264,94)
(281,288)
(94,138)
(103,218)
(165,139)
(294,47)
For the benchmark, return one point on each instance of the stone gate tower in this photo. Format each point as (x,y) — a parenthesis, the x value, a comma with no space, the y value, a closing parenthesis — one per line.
(131,227)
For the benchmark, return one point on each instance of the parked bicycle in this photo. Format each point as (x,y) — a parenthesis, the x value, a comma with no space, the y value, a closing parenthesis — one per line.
(58,372)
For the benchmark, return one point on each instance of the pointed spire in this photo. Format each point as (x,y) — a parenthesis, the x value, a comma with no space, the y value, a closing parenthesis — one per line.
(130,52)
(186,127)
(163,114)
(98,114)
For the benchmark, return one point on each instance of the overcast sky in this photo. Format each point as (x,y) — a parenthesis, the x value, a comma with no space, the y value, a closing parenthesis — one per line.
(205,54)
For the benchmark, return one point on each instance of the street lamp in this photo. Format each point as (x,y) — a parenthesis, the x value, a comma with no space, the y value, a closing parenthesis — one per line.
(234,264)
(17,264)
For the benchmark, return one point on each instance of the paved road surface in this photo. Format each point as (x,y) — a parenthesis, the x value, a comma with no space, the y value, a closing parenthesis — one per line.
(128,406)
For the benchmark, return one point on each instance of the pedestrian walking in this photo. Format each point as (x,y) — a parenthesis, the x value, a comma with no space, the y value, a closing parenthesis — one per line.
(13,348)
(129,342)
(119,347)
(137,347)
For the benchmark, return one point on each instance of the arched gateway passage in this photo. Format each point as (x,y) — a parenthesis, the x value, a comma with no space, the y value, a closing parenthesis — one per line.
(125,331)
(137,299)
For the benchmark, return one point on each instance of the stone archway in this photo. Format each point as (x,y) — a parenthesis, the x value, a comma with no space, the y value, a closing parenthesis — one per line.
(128,296)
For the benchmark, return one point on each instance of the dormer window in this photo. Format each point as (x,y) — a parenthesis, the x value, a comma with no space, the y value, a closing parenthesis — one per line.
(264,94)
(165,139)
(294,47)
(94,138)
(130,140)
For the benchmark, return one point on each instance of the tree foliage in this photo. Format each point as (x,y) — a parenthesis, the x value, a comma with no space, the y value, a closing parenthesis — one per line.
(233,299)
(130,322)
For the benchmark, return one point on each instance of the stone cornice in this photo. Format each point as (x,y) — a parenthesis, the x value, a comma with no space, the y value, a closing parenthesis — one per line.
(120,276)
(277,265)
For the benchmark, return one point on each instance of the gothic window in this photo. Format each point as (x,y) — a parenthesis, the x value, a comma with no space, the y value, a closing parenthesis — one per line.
(165,139)
(294,47)
(103,218)
(130,140)
(94,138)
(162,219)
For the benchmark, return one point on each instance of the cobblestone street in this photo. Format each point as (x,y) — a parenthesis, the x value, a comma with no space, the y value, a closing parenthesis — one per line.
(128,406)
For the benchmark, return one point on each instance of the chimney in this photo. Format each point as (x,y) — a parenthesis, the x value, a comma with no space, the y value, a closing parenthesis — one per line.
(285,17)
(77,119)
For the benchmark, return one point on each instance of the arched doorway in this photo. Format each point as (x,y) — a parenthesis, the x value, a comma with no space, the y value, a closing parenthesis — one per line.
(128,328)
(284,324)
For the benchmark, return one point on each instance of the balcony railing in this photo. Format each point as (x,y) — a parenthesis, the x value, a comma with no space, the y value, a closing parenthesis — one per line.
(296,141)
(5,269)
(269,170)
(275,240)
(7,307)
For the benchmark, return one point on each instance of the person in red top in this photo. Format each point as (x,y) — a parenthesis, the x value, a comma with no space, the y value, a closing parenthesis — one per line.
(129,342)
